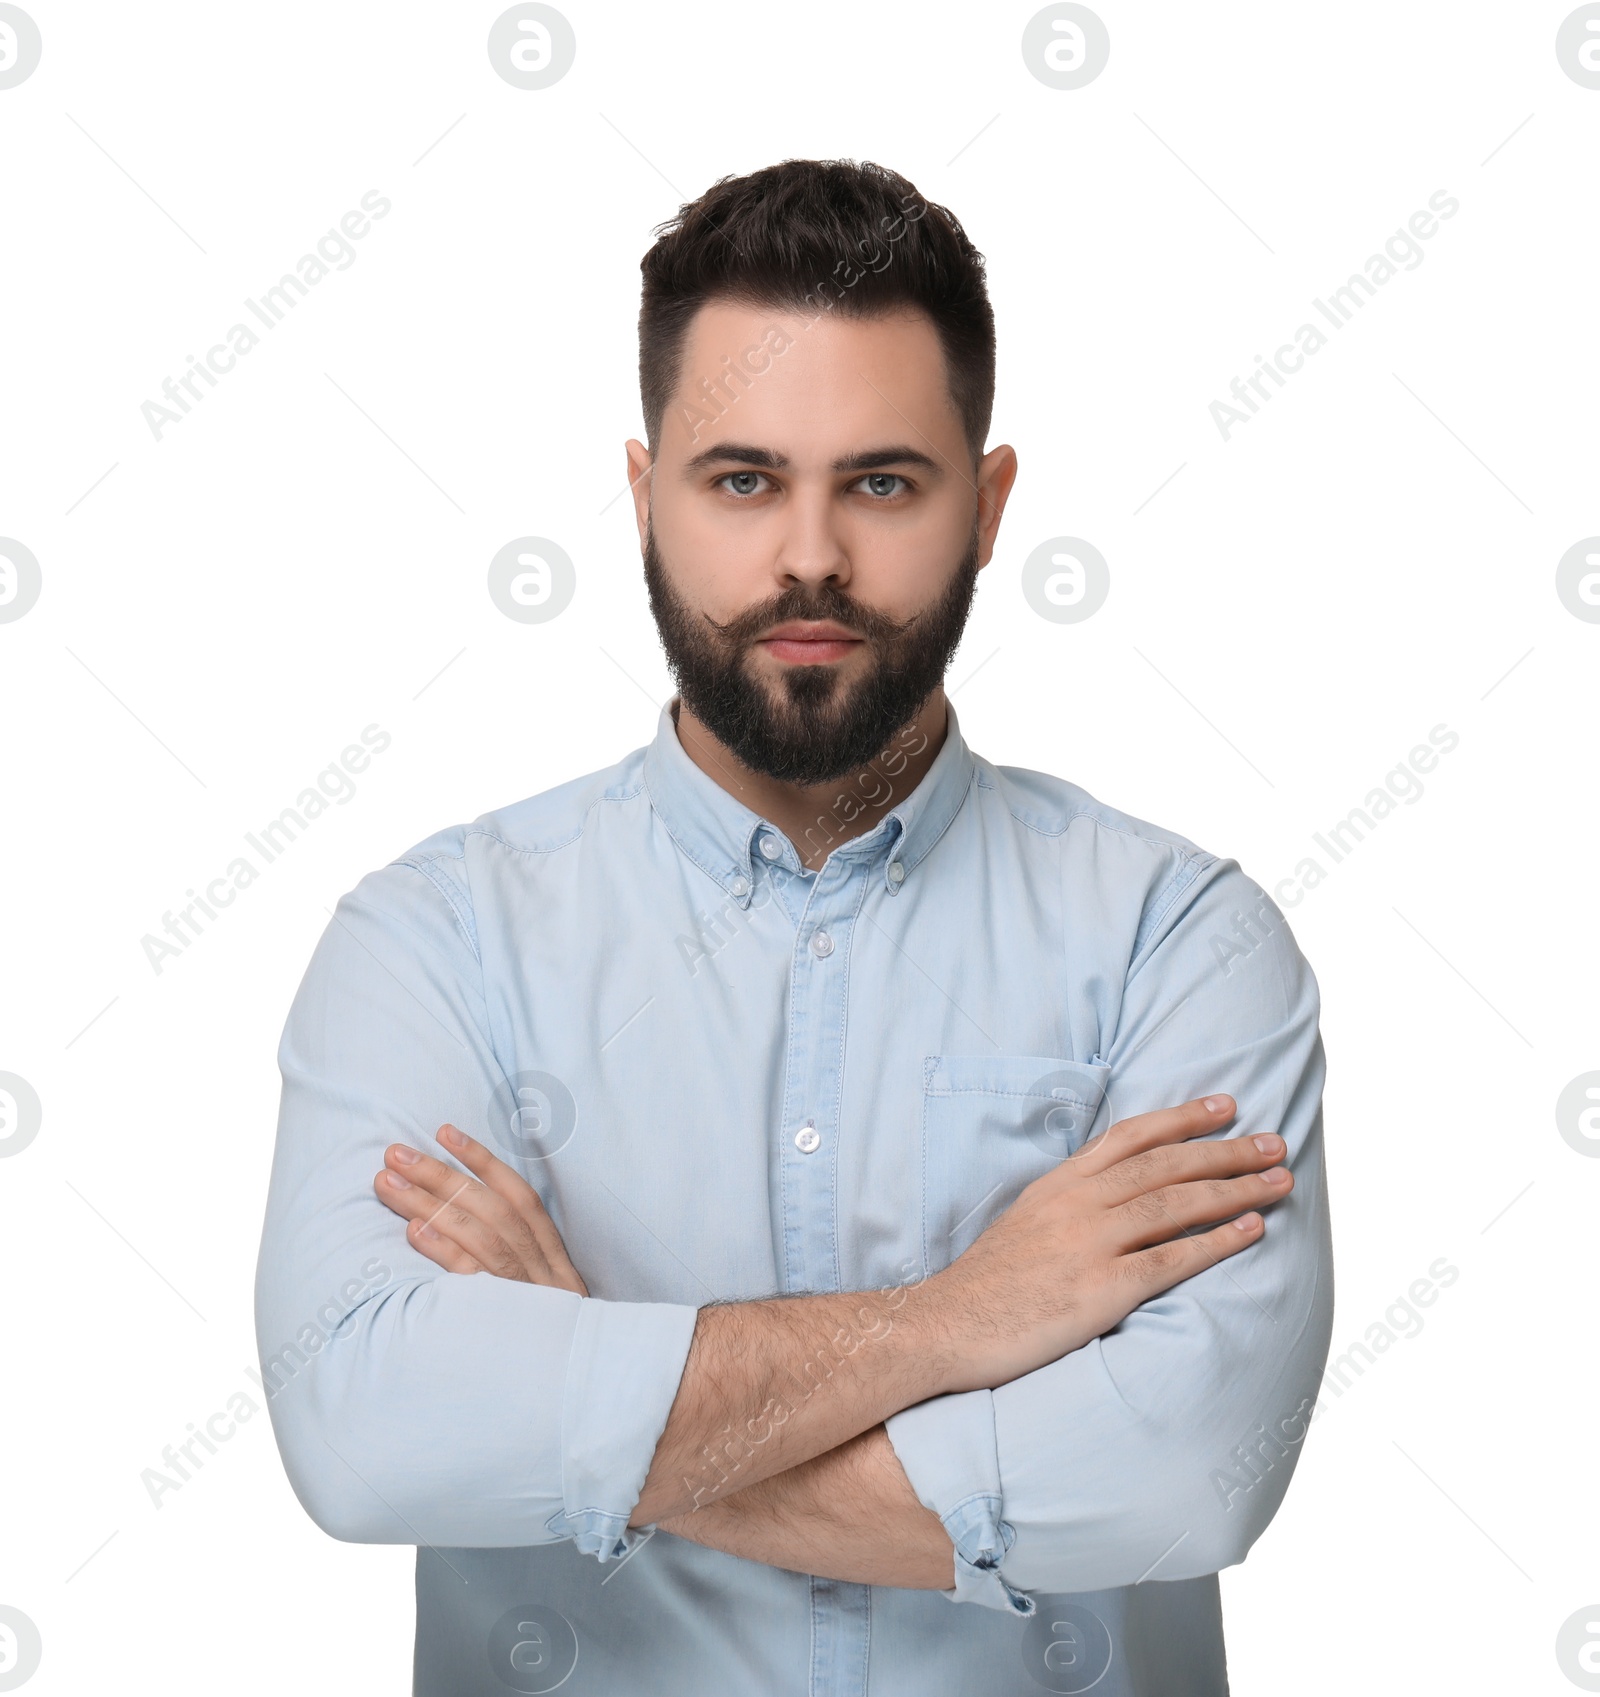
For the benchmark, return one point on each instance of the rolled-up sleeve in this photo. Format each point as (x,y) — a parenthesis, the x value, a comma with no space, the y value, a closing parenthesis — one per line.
(1161,1450)
(412,1405)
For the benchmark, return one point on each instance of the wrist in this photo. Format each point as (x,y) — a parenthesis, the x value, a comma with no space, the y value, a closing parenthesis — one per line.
(935,1328)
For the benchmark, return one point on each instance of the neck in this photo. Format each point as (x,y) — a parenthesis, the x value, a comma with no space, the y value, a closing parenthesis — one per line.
(816,818)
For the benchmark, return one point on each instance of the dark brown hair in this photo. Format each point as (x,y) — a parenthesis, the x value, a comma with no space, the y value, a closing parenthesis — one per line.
(819,235)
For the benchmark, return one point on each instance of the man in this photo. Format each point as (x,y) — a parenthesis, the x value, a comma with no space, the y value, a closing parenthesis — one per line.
(832,1166)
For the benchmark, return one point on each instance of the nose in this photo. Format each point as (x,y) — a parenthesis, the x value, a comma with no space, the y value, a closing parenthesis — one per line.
(811,548)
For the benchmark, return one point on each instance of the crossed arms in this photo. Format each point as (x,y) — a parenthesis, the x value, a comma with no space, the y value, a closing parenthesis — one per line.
(1090,1365)
(813,1484)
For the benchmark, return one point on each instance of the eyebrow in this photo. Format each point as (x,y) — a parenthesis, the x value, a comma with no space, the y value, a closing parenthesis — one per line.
(872,459)
(869,459)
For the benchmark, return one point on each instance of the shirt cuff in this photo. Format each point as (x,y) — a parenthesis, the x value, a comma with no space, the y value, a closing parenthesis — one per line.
(622,1375)
(947,1448)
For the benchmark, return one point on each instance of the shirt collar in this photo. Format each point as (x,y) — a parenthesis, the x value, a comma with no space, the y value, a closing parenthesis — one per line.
(720,834)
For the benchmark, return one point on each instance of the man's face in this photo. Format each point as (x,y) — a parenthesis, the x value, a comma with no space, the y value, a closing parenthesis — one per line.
(811,548)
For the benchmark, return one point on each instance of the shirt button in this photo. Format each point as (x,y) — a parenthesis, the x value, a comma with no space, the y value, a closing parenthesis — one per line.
(739,887)
(807,1139)
(897,873)
(821,944)
(771,848)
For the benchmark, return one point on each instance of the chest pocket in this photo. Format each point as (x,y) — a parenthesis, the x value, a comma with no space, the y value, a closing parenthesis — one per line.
(991,1125)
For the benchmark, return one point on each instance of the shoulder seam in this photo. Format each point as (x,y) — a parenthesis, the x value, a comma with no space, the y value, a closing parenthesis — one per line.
(1156,837)
(477,830)
(1191,862)
(423,867)
(1154,834)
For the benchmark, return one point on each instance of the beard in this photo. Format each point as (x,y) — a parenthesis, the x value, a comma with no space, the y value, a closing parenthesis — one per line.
(810,727)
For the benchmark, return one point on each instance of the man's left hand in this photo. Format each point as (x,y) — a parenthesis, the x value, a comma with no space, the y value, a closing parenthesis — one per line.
(493,1222)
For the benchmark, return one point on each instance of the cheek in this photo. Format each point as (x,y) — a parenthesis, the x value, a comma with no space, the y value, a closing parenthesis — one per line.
(717,562)
(901,562)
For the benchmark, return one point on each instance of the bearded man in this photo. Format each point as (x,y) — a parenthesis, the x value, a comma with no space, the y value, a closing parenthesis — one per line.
(805,1209)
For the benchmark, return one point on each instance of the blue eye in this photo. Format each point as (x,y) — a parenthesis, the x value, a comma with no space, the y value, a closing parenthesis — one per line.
(742,482)
(883,484)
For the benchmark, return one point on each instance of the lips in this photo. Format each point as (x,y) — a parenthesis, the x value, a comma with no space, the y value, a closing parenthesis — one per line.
(809,642)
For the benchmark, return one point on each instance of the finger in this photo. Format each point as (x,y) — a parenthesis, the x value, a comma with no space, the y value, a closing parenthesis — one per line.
(1149,1131)
(456,1207)
(1160,1215)
(494,1213)
(438,1248)
(518,1195)
(1159,1268)
(1188,1163)
(420,1235)
(525,1203)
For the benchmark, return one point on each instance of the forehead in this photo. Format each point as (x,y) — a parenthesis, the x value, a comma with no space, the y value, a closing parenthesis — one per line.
(814,389)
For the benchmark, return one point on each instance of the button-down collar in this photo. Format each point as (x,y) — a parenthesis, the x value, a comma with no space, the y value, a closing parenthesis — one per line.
(720,834)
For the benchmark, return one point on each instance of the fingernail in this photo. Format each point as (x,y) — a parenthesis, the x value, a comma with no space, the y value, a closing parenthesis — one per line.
(398,1183)
(1268,1144)
(1216,1103)
(449,1134)
(1248,1222)
(425,1230)
(1278,1175)
(401,1153)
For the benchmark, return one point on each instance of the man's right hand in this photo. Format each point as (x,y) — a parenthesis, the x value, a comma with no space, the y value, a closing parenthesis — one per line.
(1104,1231)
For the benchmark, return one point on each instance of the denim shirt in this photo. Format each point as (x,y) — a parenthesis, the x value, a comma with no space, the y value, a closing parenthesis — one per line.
(729,1077)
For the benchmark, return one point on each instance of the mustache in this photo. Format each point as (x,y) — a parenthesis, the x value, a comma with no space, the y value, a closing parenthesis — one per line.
(825,602)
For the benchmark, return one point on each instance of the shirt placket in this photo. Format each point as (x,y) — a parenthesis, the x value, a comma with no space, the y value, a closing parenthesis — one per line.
(808,1136)
(808,1152)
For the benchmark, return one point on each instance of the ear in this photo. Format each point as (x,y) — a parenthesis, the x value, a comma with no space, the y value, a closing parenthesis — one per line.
(640,466)
(997,471)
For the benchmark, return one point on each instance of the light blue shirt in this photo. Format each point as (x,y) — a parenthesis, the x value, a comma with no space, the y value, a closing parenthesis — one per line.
(729,1077)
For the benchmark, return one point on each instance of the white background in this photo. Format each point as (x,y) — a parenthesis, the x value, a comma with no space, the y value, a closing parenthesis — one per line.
(305,554)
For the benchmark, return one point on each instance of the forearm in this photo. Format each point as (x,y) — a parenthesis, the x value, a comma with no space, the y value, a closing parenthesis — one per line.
(848,1514)
(769,1385)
